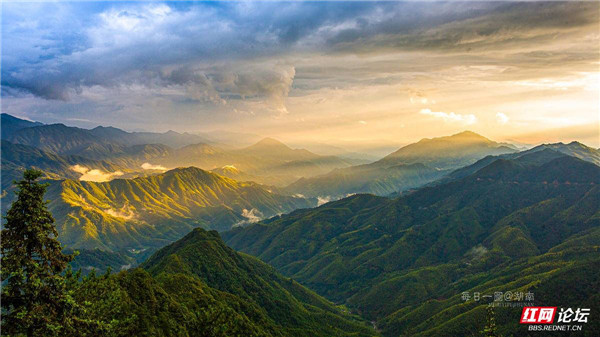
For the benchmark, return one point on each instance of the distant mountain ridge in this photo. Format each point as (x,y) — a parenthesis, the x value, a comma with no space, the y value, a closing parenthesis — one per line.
(10,124)
(16,158)
(52,137)
(449,151)
(272,148)
(410,167)
(574,149)
(539,154)
(273,162)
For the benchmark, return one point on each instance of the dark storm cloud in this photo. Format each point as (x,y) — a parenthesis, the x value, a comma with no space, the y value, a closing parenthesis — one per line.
(121,44)
(469,26)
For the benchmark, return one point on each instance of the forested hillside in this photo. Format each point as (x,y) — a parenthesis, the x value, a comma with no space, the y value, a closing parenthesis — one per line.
(198,286)
(513,225)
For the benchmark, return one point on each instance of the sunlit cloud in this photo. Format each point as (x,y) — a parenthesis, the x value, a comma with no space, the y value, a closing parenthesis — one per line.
(323,200)
(148,166)
(252,216)
(450,116)
(126,212)
(95,174)
(501,118)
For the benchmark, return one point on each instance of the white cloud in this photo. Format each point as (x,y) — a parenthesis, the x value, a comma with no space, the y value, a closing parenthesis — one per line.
(95,174)
(362,122)
(126,212)
(422,100)
(79,169)
(323,200)
(252,216)
(451,116)
(501,118)
(148,166)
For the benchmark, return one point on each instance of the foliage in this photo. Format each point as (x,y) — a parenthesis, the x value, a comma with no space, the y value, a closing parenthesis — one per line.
(146,213)
(98,260)
(217,292)
(34,296)
(490,329)
(513,223)
(278,304)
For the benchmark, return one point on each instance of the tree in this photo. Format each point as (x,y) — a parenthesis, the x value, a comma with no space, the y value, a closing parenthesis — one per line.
(35,300)
(490,329)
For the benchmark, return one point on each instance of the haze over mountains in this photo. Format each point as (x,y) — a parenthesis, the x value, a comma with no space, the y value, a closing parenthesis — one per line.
(411,166)
(102,154)
(300,168)
(272,161)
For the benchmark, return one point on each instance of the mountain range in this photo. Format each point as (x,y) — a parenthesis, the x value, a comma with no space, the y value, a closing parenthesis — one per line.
(271,161)
(410,234)
(16,158)
(520,224)
(149,212)
(63,139)
(448,152)
(409,167)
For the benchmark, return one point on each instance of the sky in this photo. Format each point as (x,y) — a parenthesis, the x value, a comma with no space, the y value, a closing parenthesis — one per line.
(341,73)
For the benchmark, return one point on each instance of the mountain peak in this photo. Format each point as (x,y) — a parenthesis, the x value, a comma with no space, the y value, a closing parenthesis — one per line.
(578,144)
(272,148)
(574,149)
(269,144)
(101,127)
(470,135)
(11,124)
(7,117)
(184,170)
(268,141)
(449,151)
(230,168)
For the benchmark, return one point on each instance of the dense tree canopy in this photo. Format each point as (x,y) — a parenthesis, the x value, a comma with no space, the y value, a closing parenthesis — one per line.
(34,298)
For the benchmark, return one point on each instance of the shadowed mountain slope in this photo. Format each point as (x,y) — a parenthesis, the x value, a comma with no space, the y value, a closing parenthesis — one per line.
(538,155)
(402,261)
(198,286)
(10,124)
(288,308)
